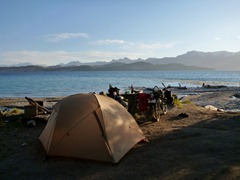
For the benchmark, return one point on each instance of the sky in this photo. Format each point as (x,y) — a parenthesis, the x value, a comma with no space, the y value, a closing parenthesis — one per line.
(60,31)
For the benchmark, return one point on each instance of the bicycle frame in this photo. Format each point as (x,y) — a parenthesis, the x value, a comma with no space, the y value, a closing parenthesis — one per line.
(155,106)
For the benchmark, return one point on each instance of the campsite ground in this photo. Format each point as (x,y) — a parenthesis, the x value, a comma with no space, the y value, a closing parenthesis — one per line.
(204,145)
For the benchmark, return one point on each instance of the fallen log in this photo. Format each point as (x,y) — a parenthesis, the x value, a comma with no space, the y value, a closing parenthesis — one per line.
(40,108)
(174,87)
(216,87)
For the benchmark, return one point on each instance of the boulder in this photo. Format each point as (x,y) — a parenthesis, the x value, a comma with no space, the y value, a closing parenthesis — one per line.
(237,95)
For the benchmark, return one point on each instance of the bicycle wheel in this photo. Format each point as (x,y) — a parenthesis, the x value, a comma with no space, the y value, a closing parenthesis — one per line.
(163,108)
(157,110)
(134,108)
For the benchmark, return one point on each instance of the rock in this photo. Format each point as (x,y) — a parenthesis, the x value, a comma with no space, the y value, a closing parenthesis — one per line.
(24,144)
(211,107)
(237,95)
(31,123)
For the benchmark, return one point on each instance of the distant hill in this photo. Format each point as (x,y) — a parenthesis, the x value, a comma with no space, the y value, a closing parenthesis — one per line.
(126,60)
(29,68)
(116,66)
(144,66)
(77,63)
(192,60)
(220,60)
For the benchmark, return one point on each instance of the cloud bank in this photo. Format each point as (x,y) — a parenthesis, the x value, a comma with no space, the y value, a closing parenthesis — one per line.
(135,45)
(64,36)
(96,51)
(57,57)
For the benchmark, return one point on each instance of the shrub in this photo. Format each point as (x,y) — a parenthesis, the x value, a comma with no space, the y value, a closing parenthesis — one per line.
(16,111)
(177,102)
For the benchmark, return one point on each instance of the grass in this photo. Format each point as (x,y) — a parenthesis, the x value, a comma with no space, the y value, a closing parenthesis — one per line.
(16,111)
(177,102)
(11,115)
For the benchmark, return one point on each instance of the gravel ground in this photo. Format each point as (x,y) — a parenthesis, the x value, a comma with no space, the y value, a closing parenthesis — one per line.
(204,145)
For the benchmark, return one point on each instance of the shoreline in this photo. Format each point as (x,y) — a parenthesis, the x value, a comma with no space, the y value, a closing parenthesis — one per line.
(222,98)
(192,90)
(21,102)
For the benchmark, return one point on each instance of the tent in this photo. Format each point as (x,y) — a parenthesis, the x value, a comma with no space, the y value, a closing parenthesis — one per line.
(90,126)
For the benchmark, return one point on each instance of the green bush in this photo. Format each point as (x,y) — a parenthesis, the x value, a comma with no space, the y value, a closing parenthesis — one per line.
(16,111)
(177,102)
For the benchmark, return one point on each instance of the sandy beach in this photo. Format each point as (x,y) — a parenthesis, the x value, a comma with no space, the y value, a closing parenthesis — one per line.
(204,145)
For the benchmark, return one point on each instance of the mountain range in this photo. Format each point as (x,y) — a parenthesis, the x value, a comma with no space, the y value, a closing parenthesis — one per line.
(192,60)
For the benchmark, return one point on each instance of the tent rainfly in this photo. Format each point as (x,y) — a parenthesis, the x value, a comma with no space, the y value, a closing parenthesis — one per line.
(90,126)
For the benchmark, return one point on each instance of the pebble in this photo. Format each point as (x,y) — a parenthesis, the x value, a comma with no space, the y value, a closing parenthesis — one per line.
(210,107)
(220,110)
(24,144)
(237,95)
(213,108)
(31,123)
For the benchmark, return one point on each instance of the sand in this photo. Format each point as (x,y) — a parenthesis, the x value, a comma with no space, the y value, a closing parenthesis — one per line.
(205,145)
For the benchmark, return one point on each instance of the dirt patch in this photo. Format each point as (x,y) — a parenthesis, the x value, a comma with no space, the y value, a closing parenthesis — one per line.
(204,145)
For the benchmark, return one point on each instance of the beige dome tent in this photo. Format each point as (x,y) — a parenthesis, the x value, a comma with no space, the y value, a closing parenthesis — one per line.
(90,126)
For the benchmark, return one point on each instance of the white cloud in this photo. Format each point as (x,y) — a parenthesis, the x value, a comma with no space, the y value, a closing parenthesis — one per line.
(154,46)
(56,57)
(238,36)
(64,36)
(217,38)
(125,49)
(109,41)
(136,45)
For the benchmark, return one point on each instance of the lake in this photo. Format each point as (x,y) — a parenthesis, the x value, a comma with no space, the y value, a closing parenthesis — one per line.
(49,84)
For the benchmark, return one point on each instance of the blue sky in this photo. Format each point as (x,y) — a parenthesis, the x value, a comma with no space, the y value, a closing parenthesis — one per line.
(59,31)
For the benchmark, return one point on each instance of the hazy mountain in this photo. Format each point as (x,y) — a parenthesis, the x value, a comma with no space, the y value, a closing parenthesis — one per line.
(116,66)
(22,68)
(144,66)
(73,63)
(19,65)
(220,60)
(192,60)
(77,63)
(126,60)
(69,68)
(99,63)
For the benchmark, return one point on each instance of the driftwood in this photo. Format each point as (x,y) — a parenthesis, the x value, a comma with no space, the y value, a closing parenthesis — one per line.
(40,108)
(175,87)
(216,87)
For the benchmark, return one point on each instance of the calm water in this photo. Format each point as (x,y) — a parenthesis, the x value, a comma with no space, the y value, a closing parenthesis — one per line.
(48,84)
